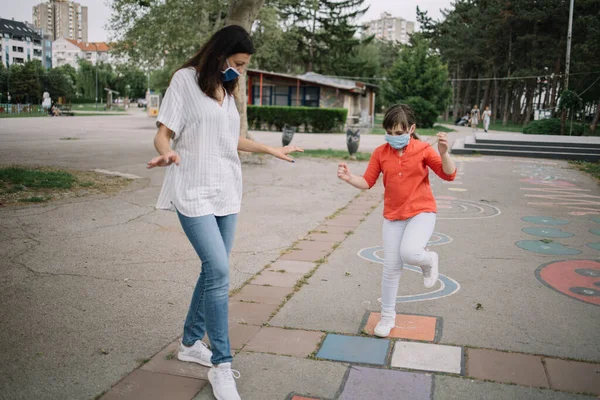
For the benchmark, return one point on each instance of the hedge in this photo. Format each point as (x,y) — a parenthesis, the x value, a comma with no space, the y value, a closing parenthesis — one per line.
(551,126)
(312,119)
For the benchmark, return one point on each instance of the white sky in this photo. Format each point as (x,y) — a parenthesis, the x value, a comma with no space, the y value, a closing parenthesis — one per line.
(99,12)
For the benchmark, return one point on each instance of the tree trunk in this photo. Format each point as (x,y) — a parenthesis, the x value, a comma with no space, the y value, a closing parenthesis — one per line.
(486,95)
(243,13)
(456,111)
(595,120)
(555,83)
(478,93)
(495,103)
(529,103)
(516,105)
(505,108)
(563,120)
(465,102)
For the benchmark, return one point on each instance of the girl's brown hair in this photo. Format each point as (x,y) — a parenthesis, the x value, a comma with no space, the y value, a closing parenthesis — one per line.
(208,62)
(400,115)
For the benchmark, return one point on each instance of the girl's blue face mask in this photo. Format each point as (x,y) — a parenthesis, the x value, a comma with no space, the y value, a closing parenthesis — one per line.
(399,141)
(230,73)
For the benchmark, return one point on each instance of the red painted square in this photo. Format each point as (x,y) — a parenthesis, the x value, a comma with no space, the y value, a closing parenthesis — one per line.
(414,327)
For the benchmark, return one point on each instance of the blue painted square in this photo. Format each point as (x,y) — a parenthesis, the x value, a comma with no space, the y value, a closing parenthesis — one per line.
(354,349)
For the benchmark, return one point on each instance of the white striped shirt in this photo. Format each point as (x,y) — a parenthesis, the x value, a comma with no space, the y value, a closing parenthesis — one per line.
(209,177)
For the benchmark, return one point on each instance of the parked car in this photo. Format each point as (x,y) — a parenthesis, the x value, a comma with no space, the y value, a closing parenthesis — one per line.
(142,103)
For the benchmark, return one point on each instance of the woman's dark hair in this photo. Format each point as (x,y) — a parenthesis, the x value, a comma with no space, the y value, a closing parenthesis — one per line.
(208,62)
(400,115)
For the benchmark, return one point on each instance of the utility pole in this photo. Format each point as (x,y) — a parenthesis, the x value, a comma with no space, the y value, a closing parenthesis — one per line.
(96,68)
(568,61)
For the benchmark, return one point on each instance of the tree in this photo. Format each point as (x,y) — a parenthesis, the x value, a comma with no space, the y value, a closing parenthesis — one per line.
(156,33)
(418,72)
(323,31)
(243,13)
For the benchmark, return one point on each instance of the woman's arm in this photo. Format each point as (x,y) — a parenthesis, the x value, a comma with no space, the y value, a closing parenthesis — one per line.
(251,146)
(162,144)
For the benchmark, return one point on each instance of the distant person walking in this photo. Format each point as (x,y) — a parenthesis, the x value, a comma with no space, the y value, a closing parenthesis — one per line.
(475,117)
(487,115)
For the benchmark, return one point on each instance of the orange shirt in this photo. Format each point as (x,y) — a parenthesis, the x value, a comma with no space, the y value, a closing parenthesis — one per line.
(406,178)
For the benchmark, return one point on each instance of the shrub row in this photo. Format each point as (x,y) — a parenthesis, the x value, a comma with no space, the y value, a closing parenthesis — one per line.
(311,119)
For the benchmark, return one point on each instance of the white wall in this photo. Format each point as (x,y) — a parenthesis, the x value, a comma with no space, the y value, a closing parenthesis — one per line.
(64,52)
(27,47)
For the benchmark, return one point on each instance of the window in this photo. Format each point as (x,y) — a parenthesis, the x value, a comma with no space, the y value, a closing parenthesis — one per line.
(266,95)
(282,96)
(308,96)
(18,60)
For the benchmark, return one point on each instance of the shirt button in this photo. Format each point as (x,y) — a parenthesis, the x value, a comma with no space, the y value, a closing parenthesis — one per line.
(400,174)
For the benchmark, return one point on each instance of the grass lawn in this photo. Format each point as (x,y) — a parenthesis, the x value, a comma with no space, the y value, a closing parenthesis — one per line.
(509,127)
(41,184)
(378,130)
(92,107)
(102,114)
(421,131)
(592,168)
(332,154)
(23,115)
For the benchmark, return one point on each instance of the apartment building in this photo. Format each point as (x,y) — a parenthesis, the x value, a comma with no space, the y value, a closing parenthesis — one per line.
(62,18)
(390,28)
(19,43)
(68,51)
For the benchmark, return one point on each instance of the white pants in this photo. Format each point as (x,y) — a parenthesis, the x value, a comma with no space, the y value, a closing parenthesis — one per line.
(486,124)
(403,242)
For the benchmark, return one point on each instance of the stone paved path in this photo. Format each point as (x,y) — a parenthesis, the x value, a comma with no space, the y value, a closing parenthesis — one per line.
(514,315)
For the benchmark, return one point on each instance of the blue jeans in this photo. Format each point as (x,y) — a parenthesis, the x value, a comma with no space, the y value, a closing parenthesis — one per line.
(212,238)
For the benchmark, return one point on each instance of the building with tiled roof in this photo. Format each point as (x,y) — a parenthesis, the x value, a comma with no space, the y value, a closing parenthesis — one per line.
(68,51)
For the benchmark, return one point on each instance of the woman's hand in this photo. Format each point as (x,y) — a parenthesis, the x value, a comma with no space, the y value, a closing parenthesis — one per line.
(165,160)
(442,142)
(344,172)
(282,152)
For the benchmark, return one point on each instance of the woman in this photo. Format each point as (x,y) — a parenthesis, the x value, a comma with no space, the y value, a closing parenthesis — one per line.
(475,118)
(203,184)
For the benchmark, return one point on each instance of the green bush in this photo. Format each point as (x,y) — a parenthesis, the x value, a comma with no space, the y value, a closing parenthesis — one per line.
(312,119)
(425,112)
(551,126)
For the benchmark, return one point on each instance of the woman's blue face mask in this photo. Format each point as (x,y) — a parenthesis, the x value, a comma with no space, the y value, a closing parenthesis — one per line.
(230,73)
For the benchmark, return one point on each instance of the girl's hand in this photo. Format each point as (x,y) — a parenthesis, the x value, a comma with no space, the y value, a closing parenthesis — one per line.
(165,160)
(282,152)
(344,172)
(442,142)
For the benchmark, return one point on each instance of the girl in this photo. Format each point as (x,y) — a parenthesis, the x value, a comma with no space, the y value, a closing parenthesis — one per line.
(204,187)
(409,207)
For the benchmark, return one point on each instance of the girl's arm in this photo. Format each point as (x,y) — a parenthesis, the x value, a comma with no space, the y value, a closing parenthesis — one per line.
(357,181)
(368,179)
(251,146)
(441,164)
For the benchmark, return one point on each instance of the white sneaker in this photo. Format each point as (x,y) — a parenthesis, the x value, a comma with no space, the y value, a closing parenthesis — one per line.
(385,325)
(198,353)
(431,274)
(222,378)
